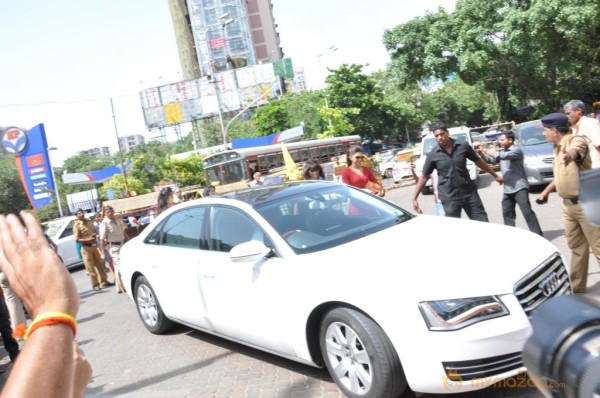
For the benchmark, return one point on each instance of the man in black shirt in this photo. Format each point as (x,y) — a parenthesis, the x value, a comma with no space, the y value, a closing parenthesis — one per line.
(455,188)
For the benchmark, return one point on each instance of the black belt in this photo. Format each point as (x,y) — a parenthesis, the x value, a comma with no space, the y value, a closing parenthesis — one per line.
(574,200)
(115,243)
(88,244)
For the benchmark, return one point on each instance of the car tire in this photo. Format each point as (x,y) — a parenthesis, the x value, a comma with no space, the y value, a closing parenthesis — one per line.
(359,356)
(149,308)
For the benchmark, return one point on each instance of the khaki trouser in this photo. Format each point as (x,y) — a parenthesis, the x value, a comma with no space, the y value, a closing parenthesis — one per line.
(115,254)
(13,303)
(581,236)
(94,265)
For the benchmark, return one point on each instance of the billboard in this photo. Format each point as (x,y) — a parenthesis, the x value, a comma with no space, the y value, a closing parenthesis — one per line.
(190,100)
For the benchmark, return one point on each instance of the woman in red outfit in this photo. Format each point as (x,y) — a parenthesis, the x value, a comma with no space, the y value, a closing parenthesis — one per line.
(359,176)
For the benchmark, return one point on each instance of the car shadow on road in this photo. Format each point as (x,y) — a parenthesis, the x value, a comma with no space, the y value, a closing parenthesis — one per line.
(254,353)
(141,384)
(306,370)
(553,234)
(90,318)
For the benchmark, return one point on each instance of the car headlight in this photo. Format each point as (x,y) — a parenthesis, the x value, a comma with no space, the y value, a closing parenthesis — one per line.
(442,315)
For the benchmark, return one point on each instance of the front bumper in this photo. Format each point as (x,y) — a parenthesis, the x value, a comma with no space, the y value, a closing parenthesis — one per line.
(468,359)
(539,175)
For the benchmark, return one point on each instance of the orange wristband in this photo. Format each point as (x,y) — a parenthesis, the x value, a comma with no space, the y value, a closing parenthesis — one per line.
(48,319)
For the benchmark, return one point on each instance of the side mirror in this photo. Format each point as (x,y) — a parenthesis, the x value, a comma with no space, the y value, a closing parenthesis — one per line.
(250,251)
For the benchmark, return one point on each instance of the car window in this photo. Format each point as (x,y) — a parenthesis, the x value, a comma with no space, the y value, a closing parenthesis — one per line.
(428,144)
(53,229)
(533,135)
(317,220)
(182,229)
(230,227)
(68,230)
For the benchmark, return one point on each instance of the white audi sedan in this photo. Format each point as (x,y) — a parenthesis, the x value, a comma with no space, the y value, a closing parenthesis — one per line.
(329,275)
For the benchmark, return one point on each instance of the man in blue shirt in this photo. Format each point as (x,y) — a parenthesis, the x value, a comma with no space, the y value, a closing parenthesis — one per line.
(516,187)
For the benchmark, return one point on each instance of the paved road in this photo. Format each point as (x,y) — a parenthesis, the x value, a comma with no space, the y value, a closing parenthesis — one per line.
(128,361)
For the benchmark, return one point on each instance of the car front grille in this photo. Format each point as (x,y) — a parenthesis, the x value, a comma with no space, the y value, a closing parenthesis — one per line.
(547,174)
(548,160)
(549,279)
(482,368)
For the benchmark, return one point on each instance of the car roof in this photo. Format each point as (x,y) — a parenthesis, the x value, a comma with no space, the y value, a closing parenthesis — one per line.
(529,123)
(257,196)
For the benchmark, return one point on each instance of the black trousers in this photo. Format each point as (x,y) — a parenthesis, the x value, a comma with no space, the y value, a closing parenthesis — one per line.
(509,202)
(470,203)
(10,344)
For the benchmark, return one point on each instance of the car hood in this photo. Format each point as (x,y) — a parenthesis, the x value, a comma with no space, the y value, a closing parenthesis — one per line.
(541,150)
(442,257)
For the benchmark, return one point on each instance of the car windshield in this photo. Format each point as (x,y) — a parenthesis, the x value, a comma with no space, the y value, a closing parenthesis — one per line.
(320,219)
(54,228)
(389,155)
(532,135)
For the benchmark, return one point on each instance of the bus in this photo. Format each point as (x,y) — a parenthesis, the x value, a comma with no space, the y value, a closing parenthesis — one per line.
(239,165)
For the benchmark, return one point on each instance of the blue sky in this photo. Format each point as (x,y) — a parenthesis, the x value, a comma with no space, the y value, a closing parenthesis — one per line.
(63,60)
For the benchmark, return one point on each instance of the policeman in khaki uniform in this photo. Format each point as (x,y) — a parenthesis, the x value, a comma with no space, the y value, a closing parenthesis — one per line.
(85,233)
(112,236)
(571,154)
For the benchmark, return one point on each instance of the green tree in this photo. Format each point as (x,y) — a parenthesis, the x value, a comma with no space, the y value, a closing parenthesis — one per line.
(185,144)
(147,160)
(349,87)
(457,103)
(289,111)
(272,117)
(117,184)
(242,128)
(305,108)
(184,172)
(82,162)
(338,121)
(403,104)
(13,198)
(47,213)
(537,51)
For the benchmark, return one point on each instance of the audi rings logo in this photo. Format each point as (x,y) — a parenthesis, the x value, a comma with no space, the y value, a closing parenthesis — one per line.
(550,285)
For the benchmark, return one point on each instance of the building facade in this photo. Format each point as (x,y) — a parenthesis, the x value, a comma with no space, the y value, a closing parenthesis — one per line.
(215,35)
(98,151)
(127,143)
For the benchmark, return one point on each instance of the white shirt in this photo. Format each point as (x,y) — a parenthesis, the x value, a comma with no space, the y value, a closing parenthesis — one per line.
(590,129)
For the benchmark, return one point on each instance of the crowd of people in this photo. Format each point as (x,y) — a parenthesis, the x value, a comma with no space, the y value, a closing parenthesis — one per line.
(576,140)
(50,363)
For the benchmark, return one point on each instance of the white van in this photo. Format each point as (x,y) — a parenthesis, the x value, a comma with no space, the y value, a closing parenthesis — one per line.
(428,142)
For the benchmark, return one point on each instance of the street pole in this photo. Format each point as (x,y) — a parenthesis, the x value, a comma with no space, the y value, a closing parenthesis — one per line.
(218,94)
(212,77)
(60,210)
(330,49)
(119,145)
(245,109)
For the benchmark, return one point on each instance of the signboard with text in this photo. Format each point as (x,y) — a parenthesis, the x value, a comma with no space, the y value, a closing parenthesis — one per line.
(33,163)
(231,90)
